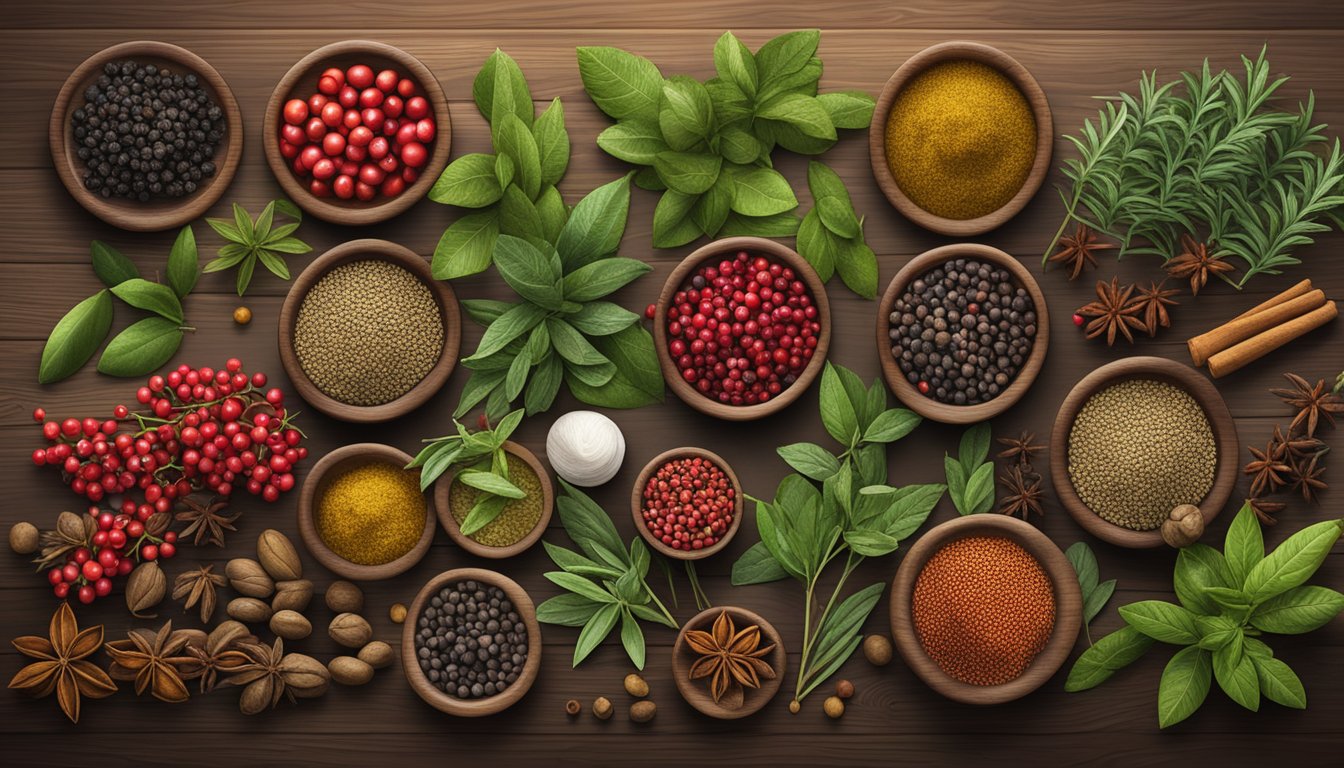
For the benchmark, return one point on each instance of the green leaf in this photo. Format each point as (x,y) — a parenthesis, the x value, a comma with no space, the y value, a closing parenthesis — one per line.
(528,272)
(857,265)
(484,512)
(602,277)
(595,225)
(1084,564)
(632,638)
(516,321)
(1292,562)
(809,459)
(288,245)
(838,217)
(595,375)
(1233,602)
(588,525)
(672,222)
(552,212)
(817,245)
(762,192)
(775,225)
(490,483)
(514,138)
(466,246)
(1216,631)
(567,610)
(184,263)
(1199,567)
(142,348)
(848,109)
(871,543)
(738,146)
(595,631)
(468,182)
(1162,621)
(837,412)
(500,88)
(1244,546)
(688,172)
(839,634)
(75,338)
(787,53)
(1095,600)
(602,318)
(685,113)
(151,297)
(711,210)
(1235,673)
(956,483)
(572,345)
(1300,609)
(979,495)
(619,83)
(225,229)
(274,264)
(731,105)
(110,265)
(634,141)
(505,171)
(804,113)
(638,380)
(552,142)
(1109,654)
(543,386)
(1279,683)
(243,224)
(735,64)
(580,586)
(1184,686)
(974,446)
(757,566)
(244,277)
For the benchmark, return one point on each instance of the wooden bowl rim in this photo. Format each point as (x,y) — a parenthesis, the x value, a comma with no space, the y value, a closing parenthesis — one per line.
(314,483)
(474,707)
(717,248)
(1063,580)
(444,484)
(362,250)
(945,412)
(1171,372)
(157,214)
(697,695)
(637,502)
(1026,84)
(355,212)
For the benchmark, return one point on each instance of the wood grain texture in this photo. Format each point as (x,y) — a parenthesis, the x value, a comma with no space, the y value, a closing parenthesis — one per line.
(1075,50)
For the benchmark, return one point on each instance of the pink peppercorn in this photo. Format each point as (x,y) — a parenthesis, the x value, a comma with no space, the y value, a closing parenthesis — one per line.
(689,503)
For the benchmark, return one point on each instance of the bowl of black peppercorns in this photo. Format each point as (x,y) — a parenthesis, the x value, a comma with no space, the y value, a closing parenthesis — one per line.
(962,331)
(146,135)
(471,645)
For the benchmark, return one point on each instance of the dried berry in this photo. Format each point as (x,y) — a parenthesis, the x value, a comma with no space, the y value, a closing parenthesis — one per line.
(844,689)
(242,315)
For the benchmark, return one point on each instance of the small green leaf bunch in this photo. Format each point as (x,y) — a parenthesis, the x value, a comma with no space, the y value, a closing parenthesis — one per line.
(1228,601)
(513,190)
(145,345)
(482,464)
(1095,593)
(605,585)
(970,476)
(260,240)
(830,236)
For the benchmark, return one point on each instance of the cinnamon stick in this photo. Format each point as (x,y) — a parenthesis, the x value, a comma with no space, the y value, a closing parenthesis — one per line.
(1258,346)
(1300,289)
(1245,326)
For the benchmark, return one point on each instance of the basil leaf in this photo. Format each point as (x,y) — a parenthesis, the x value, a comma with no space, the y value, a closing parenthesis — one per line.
(485,311)
(735,64)
(787,53)
(490,483)
(837,413)
(775,225)
(500,87)
(810,459)
(871,543)
(803,82)
(110,265)
(505,170)
(513,323)
(602,318)
(572,345)
(762,192)
(1095,600)
(552,212)
(601,278)
(479,385)
(711,210)
(738,146)
(274,264)
(595,225)
(1184,686)
(841,632)
(647,178)
(1244,545)
(1216,631)
(891,425)
(672,222)
(637,382)
(1292,562)
(956,483)
(183,263)
(1109,654)
(1162,621)
(567,610)
(731,105)
(757,566)
(528,271)
(595,631)
(632,638)
(484,512)
(513,138)
(685,113)
(1300,609)
(838,217)
(1233,602)
(801,112)
(75,338)
(619,83)
(848,109)
(910,507)
(552,142)
(1236,675)
(466,246)
(1279,683)
(468,182)
(543,386)
(573,562)
(979,490)
(579,586)
(634,141)
(974,446)
(142,348)
(817,245)
(595,376)
(791,138)
(1084,564)
(688,172)
(151,297)
(1199,566)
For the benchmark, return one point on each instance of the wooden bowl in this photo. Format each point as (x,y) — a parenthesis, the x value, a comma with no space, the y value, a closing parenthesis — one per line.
(1063,580)
(444,485)
(1030,90)
(727,247)
(637,503)
(696,692)
(926,406)
(1161,369)
(315,485)
(472,707)
(161,213)
(363,250)
(300,82)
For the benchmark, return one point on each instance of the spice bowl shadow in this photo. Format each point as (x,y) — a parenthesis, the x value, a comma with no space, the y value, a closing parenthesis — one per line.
(315,485)
(637,502)
(370,250)
(443,507)
(1063,581)
(720,249)
(162,213)
(300,82)
(948,413)
(1167,371)
(452,705)
(1019,76)
(696,692)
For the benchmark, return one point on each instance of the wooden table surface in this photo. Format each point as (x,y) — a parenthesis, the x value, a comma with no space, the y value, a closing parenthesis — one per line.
(1076,50)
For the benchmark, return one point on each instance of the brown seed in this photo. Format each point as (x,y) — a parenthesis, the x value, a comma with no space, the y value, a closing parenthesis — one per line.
(292,595)
(643,711)
(795,706)
(242,315)
(248,610)
(24,538)
(834,707)
(291,625)
(877,650)
(304,675)
(376,654)
(573,707)
(602,708)
(397,613)
(278,556)
(348,670)
(350,630)
(1183,526)
(344,597)
(844,689)
(248,578)
(145,589)
(636,686)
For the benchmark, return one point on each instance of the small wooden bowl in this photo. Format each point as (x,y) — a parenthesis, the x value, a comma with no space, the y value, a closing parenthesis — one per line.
(472,707)
(1063,580)
(162,213)
(300,82)
(945,412)
(444,485)
(727,247)
(696,692)
(364,250)
(316,484)
(637,503)
(1030,90)
(1161,369)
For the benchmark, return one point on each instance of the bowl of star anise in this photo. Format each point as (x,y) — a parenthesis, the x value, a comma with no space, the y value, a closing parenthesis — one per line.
(728,662)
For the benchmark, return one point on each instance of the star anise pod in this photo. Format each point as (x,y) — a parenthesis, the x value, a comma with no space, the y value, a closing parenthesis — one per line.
(219,655)
(1266,509)
(156,662)
(62,663)
(1153,302)
(1113,312)
(1022,492)
(1296,447)
(1267,470)
(270,675)
(1313,404)
(72,531)
(1020,448)
(198,586)
(1305,475)
(732,659)
(1077,250)
(1196,263)
(206,521)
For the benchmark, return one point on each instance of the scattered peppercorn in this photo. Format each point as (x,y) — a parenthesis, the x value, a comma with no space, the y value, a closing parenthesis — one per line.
(371,513)
(397,613)
(602,708)
(242,315)
(636,686)
(689,503)
(834,707)
(844,689)
(24,538)
(877,650)
(470,641)
(518,517)
(573,707)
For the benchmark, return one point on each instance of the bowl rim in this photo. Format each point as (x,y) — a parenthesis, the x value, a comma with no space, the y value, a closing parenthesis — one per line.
(682,271)
(1026,84)
(361,250)
(697,695)
(357,213)
(157,214)
(1063,580)
(1189,380)
(948,413)
(473,707)
(308,499)
(637,502)
(443,509)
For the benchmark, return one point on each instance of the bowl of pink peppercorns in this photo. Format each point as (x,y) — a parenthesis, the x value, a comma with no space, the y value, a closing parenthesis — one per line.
(357,132)
(687,503)
(742,327)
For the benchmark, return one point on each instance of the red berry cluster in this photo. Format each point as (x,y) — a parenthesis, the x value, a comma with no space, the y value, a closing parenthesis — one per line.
(743,330)
(201,429)
(360,135)
(688,503)
(118,544)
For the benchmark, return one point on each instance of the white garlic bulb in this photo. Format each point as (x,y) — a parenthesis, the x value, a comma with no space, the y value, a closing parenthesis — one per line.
(585,448)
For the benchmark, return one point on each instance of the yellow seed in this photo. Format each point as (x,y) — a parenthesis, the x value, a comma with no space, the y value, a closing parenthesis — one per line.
(242,315)
(397,613)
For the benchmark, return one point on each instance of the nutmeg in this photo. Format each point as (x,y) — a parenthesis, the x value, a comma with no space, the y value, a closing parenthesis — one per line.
(248,578)
(344,597)
(643,711)
(348,670)
(350,630)
(636,686)
(877,650)
(1183,526)
(248,610)
(291,625)
(844,689)
(24,538)
(292,595)
(376,654)
(602,708)
(278,556)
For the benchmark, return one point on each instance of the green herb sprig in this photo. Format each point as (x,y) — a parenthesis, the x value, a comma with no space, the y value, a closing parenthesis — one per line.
(1228,601)
(1095,593)
(830,236)
(482,463)
(970,476)
(251,241)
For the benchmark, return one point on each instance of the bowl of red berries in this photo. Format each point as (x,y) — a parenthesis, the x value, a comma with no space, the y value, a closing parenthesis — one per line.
(357,131)
(742,327)
(687,503)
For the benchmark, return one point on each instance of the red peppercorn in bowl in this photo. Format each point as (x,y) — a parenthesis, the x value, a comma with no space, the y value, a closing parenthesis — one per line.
(687,503)
(742,327)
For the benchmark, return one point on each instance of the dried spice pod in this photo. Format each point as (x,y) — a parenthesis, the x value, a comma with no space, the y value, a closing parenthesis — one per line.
(71,532)
(249,610)
(158,662)
(344,597)
(291,625)
(376,654)
(62,663)
(292,595)
(348,670)
(217,655)
(249,578)
(145,589)
(198,586)
(350,630)
(304,676)
(278,556)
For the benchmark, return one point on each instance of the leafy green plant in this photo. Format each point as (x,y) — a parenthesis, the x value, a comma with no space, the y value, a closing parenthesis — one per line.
(483,465)
(1228,600)
(513,190)
(606,584)
(853,515)
(251,241)
(1095,593)
(830,236)
(970,476)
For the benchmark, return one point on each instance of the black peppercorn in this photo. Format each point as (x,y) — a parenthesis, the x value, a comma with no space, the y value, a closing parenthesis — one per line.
(472,642)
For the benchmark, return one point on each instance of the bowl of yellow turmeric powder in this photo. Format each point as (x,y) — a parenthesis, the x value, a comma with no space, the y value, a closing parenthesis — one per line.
(961,138)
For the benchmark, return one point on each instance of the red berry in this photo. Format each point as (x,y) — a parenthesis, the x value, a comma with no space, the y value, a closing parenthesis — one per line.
(1077,319)
(149,552)
(61,590)
(296,111)
(359,76)
(167,550)
(39,414)
(650,310)
(923,387)
(86,594)
(70,427)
